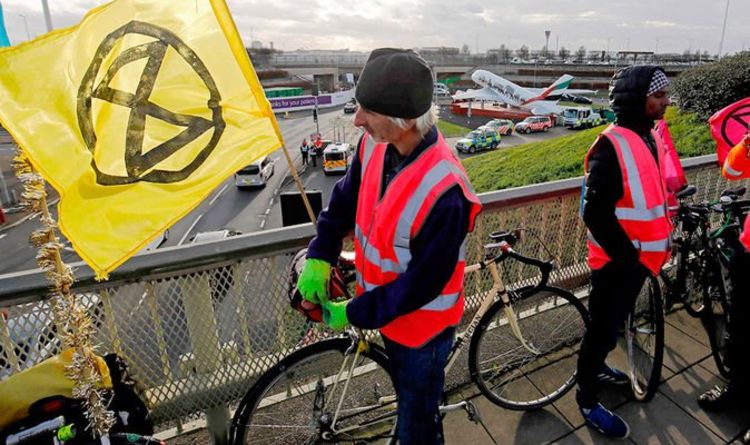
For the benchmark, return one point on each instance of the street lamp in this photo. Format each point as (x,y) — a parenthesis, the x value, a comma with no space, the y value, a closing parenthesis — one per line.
(723,29)
(26,25)
(47,16)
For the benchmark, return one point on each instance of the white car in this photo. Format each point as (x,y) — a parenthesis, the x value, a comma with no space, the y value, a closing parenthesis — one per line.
(255,174)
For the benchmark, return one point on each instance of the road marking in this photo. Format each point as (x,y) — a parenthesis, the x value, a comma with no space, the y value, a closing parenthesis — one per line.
(182,240)
(267,212)
(262,223)
(270,202)
(210,203)
(3,235)
(69,249)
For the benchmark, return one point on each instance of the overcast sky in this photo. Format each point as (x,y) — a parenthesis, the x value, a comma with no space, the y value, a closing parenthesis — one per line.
(361,25)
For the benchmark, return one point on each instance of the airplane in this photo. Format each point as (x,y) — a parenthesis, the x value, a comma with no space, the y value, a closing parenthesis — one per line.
(499,89)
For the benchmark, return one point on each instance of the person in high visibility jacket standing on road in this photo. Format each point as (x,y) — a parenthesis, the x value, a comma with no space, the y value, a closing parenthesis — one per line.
(625,211)
(409,204)
(736,393)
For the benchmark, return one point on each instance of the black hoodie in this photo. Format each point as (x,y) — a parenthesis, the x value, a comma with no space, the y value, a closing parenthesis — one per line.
(627,96)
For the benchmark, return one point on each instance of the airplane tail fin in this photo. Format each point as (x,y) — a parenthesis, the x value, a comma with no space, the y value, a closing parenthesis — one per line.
(557,86)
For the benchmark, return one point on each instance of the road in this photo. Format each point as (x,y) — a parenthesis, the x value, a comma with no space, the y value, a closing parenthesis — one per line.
(228,207)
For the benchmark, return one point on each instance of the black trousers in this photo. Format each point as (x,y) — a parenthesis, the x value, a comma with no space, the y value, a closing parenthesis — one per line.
(614,289)
(738,349)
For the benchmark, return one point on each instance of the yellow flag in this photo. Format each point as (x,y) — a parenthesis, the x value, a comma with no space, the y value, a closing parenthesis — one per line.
(135,115)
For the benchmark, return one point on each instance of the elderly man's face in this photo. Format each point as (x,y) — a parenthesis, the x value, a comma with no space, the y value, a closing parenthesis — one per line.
(656,104)
(380,127)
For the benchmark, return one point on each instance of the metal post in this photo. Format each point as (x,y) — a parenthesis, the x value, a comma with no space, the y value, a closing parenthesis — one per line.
(317,116)
(5,188)
(723,29)
(26,25)
(47,16)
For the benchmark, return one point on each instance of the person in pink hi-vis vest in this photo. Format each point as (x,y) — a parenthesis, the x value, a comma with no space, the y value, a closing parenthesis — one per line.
(674,176)
(736,393)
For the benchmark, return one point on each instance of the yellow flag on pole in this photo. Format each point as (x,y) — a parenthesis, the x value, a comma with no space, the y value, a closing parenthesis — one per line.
(135,115)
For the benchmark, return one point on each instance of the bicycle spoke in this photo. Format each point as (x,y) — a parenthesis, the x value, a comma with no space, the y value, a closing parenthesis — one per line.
(509,372)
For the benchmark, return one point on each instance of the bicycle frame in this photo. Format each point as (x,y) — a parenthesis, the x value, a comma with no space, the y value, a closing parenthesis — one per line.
(498,290)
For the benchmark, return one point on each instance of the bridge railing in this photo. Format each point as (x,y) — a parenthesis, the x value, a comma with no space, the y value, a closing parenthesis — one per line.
(199,323)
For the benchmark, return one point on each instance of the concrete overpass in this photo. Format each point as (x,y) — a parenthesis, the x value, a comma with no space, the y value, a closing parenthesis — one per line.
(595,76)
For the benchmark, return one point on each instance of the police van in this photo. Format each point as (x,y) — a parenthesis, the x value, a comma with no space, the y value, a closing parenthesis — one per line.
(336,158)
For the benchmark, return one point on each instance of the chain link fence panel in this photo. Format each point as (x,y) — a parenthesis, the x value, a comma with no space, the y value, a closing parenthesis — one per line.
(199,337)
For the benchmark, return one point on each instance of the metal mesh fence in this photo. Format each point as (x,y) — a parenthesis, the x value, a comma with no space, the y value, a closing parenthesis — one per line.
(199,338)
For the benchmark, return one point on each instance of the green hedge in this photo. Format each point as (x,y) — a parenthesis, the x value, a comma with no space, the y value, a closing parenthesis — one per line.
(709,88)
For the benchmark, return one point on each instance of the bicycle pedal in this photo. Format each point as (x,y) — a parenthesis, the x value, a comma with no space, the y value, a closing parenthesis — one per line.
(473,412)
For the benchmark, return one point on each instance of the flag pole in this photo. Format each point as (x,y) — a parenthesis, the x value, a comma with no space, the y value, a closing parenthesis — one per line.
(300,186)
(74,326)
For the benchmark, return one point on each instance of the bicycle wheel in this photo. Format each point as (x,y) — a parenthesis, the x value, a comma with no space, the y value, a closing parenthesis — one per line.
(535,368)
(295,401)
(716,317)
(644,337)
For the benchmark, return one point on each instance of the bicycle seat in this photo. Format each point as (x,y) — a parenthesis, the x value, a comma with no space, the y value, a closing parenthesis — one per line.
(734,193)
(509,237)
(688,190)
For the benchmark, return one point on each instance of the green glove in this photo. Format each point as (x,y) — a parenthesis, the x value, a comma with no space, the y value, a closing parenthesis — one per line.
(334,314)
(313,281)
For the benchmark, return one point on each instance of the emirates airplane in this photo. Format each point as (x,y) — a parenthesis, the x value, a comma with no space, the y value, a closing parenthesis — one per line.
(498,89)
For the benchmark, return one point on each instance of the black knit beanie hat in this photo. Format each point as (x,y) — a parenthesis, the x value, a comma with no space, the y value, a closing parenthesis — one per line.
(395,82)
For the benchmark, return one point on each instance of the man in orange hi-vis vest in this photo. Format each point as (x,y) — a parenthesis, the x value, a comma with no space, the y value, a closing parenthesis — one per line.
(736,393)
(409,203)
(625,211)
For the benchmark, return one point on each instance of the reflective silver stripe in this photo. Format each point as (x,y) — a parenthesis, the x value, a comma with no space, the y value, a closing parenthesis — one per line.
(634,183)
(360,280)
(446,301)
(661,245)
(372,254)
(640,211)
(442,302)
(590,238)
(364,284)
(639,214)
(730,170)
(403,230)
(369,148)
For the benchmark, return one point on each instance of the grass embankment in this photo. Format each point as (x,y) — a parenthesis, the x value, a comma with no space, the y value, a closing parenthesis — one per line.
(562,157)
(450,130)
(531,163)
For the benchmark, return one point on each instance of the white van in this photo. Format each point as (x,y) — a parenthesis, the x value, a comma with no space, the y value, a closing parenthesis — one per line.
(255,174)
(336,158)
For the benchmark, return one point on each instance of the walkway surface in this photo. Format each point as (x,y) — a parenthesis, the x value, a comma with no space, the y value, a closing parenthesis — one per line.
(672,417)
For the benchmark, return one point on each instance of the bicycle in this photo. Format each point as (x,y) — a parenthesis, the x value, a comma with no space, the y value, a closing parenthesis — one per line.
(683,274)
(722,245)
(704,257)
(339,389)
(644,341)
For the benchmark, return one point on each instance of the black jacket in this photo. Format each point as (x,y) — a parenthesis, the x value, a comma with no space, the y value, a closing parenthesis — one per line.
(627,95)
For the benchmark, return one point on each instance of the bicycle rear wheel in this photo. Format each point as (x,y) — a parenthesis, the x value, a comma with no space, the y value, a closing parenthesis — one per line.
(536,368)
(644,337)
(683,286)
(716,318)
(295,401)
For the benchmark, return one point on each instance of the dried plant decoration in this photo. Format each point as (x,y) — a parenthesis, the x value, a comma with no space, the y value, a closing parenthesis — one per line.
(75,327)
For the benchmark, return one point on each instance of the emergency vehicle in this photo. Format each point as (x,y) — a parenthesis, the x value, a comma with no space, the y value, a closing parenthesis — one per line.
(336,158)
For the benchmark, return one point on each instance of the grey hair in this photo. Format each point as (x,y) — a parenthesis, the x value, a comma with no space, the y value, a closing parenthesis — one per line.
(423,122)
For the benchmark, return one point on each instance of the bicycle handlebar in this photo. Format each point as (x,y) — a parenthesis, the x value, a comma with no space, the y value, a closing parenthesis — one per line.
(545,267)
